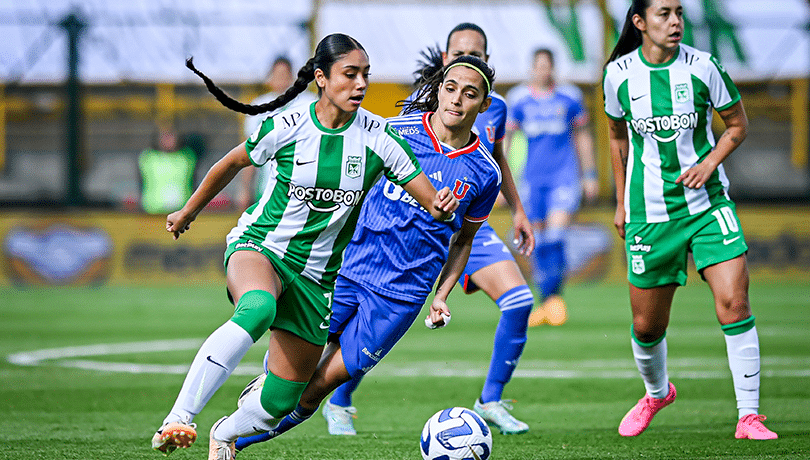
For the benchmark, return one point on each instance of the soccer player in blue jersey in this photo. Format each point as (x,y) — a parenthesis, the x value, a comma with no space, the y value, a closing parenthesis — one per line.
(556,128)
(491,267)
(397,250)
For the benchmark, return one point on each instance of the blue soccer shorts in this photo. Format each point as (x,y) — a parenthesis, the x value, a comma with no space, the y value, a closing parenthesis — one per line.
(543,200)
(370,324)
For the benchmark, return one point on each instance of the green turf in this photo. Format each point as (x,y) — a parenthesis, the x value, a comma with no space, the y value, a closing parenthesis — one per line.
(53,411)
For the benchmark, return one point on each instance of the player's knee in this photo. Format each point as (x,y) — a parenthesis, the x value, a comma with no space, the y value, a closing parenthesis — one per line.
(647,333)
(279,396)
(255,312)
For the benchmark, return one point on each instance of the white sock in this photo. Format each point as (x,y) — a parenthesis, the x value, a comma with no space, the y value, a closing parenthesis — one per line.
(217,358)
(652,365)
(248,420)
(743,360)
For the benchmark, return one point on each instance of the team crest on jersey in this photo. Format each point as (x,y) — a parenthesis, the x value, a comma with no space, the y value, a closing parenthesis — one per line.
(460,189)
(681,92)
(491,134)
(353,166)
(638,265)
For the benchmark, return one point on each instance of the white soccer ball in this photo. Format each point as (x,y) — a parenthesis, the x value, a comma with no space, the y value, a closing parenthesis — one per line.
(456,434)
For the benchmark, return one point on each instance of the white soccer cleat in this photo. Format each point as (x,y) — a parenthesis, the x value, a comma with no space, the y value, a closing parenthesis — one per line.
(496,413)
(339,419)
(220,450)
(254,385)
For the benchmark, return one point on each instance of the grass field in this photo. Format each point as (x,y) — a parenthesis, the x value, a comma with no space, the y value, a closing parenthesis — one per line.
(114,359)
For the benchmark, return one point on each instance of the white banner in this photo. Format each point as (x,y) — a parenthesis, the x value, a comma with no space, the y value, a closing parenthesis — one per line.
(149,40)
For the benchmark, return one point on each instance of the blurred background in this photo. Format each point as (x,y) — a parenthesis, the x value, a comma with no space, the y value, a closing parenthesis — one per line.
(97,110)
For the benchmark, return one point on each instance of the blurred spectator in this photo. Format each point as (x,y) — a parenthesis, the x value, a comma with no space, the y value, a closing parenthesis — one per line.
(167,173)
(279,78)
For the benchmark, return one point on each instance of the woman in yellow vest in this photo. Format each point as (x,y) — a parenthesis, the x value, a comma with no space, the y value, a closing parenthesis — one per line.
(167,174)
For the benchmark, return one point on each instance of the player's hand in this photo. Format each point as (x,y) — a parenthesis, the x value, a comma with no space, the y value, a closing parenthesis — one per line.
(446,203)
(439,315)
(178,222)
(524,233)
(618,219)
(696,176)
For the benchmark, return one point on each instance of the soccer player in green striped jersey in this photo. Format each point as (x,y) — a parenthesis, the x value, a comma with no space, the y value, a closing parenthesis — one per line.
(284,253)
(659,97)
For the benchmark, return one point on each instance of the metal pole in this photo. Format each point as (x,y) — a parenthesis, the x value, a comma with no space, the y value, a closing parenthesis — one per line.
(73,26)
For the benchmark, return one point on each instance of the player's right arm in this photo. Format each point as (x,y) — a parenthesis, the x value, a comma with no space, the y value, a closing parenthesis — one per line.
(214,181)
(457,257)
(619,151)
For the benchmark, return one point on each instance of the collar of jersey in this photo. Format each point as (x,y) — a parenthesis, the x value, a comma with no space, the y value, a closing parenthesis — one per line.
(439,146)
(661,65)
(330,130)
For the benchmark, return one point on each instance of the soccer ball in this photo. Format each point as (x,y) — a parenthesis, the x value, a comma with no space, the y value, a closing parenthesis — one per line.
(456,434)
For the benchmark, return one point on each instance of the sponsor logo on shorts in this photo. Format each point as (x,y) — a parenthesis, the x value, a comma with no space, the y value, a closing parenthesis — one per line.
(637,264)
(639,247)
(249,245)
(728,241)
(374,356)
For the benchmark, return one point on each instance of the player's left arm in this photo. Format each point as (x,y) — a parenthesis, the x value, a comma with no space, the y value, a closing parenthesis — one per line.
(459,254)
(524,236)
(736,130)
(583,142)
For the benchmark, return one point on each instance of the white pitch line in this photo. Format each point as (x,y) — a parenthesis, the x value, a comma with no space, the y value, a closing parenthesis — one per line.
(686,368)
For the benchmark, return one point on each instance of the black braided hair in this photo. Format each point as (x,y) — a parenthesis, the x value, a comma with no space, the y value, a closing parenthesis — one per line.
(328,51)
(426,98)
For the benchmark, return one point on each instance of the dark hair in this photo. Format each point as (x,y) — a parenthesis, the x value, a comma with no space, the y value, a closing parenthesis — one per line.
(466,26)
(431,75)
(630,37)
(328,51)
(281,60)
(545,51)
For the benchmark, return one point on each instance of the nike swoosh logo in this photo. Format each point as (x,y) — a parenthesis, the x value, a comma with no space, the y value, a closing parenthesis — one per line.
(749,376)
(301,163)
(727,242)
(215,363)
(323,325)
(633,99)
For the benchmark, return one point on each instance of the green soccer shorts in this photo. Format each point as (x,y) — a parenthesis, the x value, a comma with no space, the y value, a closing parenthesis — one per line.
(304,307)
(657,252)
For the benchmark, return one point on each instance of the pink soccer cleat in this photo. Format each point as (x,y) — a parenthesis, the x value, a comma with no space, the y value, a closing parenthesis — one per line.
(751,427)
(638,419)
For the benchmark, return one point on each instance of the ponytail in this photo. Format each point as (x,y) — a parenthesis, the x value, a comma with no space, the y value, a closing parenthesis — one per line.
(305,75)
(630,37)
(329,50)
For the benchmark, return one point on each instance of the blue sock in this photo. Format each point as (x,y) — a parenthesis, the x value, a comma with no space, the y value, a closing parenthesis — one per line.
(290,421)
(343,394)
(510,338)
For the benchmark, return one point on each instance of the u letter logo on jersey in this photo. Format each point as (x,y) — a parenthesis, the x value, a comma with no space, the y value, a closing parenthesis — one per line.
(460,189)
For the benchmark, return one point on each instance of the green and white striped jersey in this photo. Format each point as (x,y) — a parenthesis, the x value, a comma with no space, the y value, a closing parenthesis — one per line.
(668,110)
(308,210)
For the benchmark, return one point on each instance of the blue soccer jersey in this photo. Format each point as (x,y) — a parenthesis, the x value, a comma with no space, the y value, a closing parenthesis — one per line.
(490,126)
(548,119)
(398,248)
